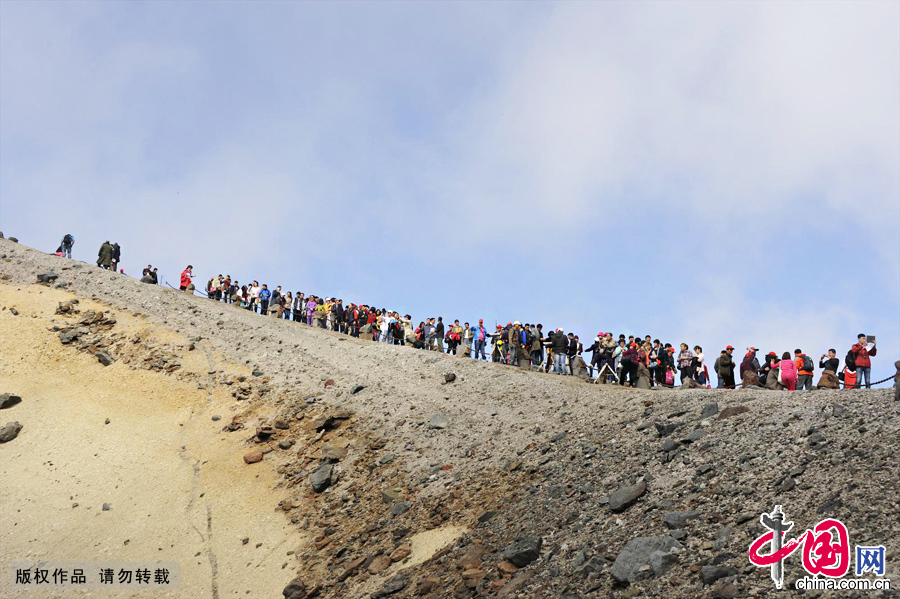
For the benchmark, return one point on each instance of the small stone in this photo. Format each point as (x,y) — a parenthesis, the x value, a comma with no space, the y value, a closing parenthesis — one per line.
(106,507)
(391,495)
(656,552)
(449,377)
(106,421)
(401,553)
(257,372)
(10,432)
(254,457)
(401,508)
(486,516)
(245,540)
(8,400)
(679,519)
(321,478)
(710,574)
(13,311)
(216,418)
(625,496)
(524,551)
(285,443)
(732,411)
(709,410)
(379,564)
(356,389)
(439,421)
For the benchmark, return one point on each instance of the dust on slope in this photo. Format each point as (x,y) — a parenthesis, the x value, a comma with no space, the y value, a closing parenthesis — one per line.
(176,484)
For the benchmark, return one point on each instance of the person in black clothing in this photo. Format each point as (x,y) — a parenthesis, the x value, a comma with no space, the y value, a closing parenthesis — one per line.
(439,334)
(116,257)
(338,310)
(571,352)
(831,363)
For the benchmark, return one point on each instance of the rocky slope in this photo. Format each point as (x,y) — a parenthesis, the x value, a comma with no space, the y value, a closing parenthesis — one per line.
(498,482)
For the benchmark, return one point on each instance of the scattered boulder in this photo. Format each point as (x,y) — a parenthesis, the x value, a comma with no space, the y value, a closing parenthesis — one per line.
(321,478)
(677,520)
(658,552)
(10,432)
(254,456)
(295,589)
(439,421)
(732,411)
(8,400)
(449,377)
(710,574)
(709,410)
(47,277)
(104,357)
(625,496)
(524,551)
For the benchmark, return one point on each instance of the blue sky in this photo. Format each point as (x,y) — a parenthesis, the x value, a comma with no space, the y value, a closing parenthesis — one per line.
(704,172)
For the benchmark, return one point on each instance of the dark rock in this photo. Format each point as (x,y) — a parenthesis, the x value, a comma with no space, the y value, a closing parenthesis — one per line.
(285,443)
(625,496)
(47,277)
(664,430)
(401,508)
(257,372)
(670,445)
(656,552)
(394,585)
(321,478)
(679,519)
(10,432)
(67,337)
(449,377)
(8,400)
(106,507)
(695,435)
(295,589)
(216,418)
(487,516)
(13,311)
(104,358)
(710,574)
(524,551)
(709,410)
(356,389)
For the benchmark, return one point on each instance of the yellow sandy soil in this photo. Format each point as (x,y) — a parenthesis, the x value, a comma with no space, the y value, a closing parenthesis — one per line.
(178,487)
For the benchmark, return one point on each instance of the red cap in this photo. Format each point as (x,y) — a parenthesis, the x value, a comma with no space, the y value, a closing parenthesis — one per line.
(730,347)
(771,353)
(480,320)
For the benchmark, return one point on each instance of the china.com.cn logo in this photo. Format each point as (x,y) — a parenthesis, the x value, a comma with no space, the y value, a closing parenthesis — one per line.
(826,552)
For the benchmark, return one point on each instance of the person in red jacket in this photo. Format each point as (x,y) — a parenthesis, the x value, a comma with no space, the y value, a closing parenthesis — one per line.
(186,276)
(861,353)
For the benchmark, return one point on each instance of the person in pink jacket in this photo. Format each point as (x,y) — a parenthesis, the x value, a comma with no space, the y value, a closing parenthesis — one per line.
(788,372)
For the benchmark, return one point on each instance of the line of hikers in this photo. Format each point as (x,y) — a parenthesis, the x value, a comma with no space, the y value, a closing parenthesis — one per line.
(632,361)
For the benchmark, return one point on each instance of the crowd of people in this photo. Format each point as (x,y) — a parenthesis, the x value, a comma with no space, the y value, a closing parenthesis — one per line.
(632,360)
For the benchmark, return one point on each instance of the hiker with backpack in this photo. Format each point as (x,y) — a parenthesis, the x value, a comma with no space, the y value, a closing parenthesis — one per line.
(805,369)
(65,246)
(726,367)
(861,352)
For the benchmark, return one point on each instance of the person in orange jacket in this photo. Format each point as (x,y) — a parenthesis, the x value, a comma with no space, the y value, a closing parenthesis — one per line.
(805,367)
(186,276)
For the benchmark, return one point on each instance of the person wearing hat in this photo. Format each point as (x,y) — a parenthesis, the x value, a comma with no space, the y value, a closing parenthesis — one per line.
(804,370)
(726,367)
(514,340)
(769,363)
(479,336)
(749,362)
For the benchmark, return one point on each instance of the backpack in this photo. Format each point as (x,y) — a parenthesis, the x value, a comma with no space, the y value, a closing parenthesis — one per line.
(808,365)
(68,239)
(850,361)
